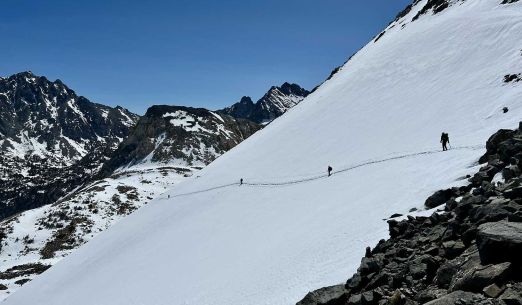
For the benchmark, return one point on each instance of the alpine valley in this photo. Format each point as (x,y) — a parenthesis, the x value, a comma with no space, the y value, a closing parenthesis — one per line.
(71,168)
(235,207)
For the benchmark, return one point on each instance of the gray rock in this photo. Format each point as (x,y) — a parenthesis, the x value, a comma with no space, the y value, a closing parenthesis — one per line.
(500,242)
(477,278)
(328,295)
(370,265)
(458,297)
(512,295)
(489,213)
(493,291)
(370,297)
(453,249)
(355,299)
(445,274)
(438,198)
(418,270)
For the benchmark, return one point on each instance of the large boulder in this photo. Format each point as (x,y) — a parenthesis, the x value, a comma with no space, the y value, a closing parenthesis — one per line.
(512,295)
(479,277)
(458,297)
(493,142)
(490,213)
(370,264)
(440,197)
(500,242)
(333,295)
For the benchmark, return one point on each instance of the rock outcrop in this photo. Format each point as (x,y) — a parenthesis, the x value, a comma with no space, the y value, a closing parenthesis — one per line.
(467,252)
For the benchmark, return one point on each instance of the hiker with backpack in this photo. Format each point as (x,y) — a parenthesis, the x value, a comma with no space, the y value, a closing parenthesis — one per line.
(330,169)
(444,139)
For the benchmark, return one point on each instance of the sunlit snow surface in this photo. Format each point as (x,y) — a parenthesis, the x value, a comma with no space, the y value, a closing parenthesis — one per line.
(271,245)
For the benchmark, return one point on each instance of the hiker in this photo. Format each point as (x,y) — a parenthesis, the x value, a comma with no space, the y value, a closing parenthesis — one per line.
(444,139)
(329,171)
(241,181)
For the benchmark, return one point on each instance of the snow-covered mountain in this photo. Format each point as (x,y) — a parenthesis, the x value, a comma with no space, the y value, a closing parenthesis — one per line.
(180,136)
(272,105)
(51,139)
(167,144)
(289,229)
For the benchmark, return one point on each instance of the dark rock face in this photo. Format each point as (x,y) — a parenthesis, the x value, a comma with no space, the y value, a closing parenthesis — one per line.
(272,105)
(471,253)
(21,270)
(242,109)
(512,78)
(500,241)
(51,140)
(188,136)
(440,197)
(436,6)
(334,295)
(459,297)
(477,278)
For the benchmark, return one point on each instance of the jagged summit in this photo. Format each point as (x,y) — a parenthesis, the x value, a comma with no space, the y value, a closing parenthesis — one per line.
(45,130)
(272,105)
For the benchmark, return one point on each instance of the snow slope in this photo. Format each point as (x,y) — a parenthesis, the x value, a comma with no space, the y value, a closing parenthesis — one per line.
(36,239)
(272,244)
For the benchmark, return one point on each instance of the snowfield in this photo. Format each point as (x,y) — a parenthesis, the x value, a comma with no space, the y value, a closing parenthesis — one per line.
(271,244)
(39,238)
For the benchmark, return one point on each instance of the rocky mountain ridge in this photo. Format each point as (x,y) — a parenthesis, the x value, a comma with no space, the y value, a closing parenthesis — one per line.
(272,105)
(181,136)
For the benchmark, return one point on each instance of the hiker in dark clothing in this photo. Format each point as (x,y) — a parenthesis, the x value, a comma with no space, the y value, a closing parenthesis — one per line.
(330,169)
(444,139)
(241,181)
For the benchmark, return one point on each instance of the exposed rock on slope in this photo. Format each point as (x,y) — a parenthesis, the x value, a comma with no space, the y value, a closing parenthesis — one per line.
(180,135)
(51,140)
(34,240)
(272,105)
(469,252)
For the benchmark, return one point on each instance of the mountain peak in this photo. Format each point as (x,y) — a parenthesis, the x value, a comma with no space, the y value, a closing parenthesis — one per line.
(275,102)
(295,89)
(24,75)
(27,73)
(246,100)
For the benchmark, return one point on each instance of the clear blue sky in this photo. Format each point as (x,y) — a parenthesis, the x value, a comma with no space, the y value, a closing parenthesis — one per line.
(204,53)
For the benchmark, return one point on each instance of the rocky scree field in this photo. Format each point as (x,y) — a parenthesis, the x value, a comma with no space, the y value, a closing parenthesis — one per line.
(469,251)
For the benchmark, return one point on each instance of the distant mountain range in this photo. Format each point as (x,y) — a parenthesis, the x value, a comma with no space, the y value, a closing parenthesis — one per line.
(70,168)
(52,140)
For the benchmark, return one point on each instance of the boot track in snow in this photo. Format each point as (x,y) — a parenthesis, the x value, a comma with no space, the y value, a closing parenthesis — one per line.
(323,176)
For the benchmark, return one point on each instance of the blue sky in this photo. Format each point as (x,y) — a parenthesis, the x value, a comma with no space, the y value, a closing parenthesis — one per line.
(199,53)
